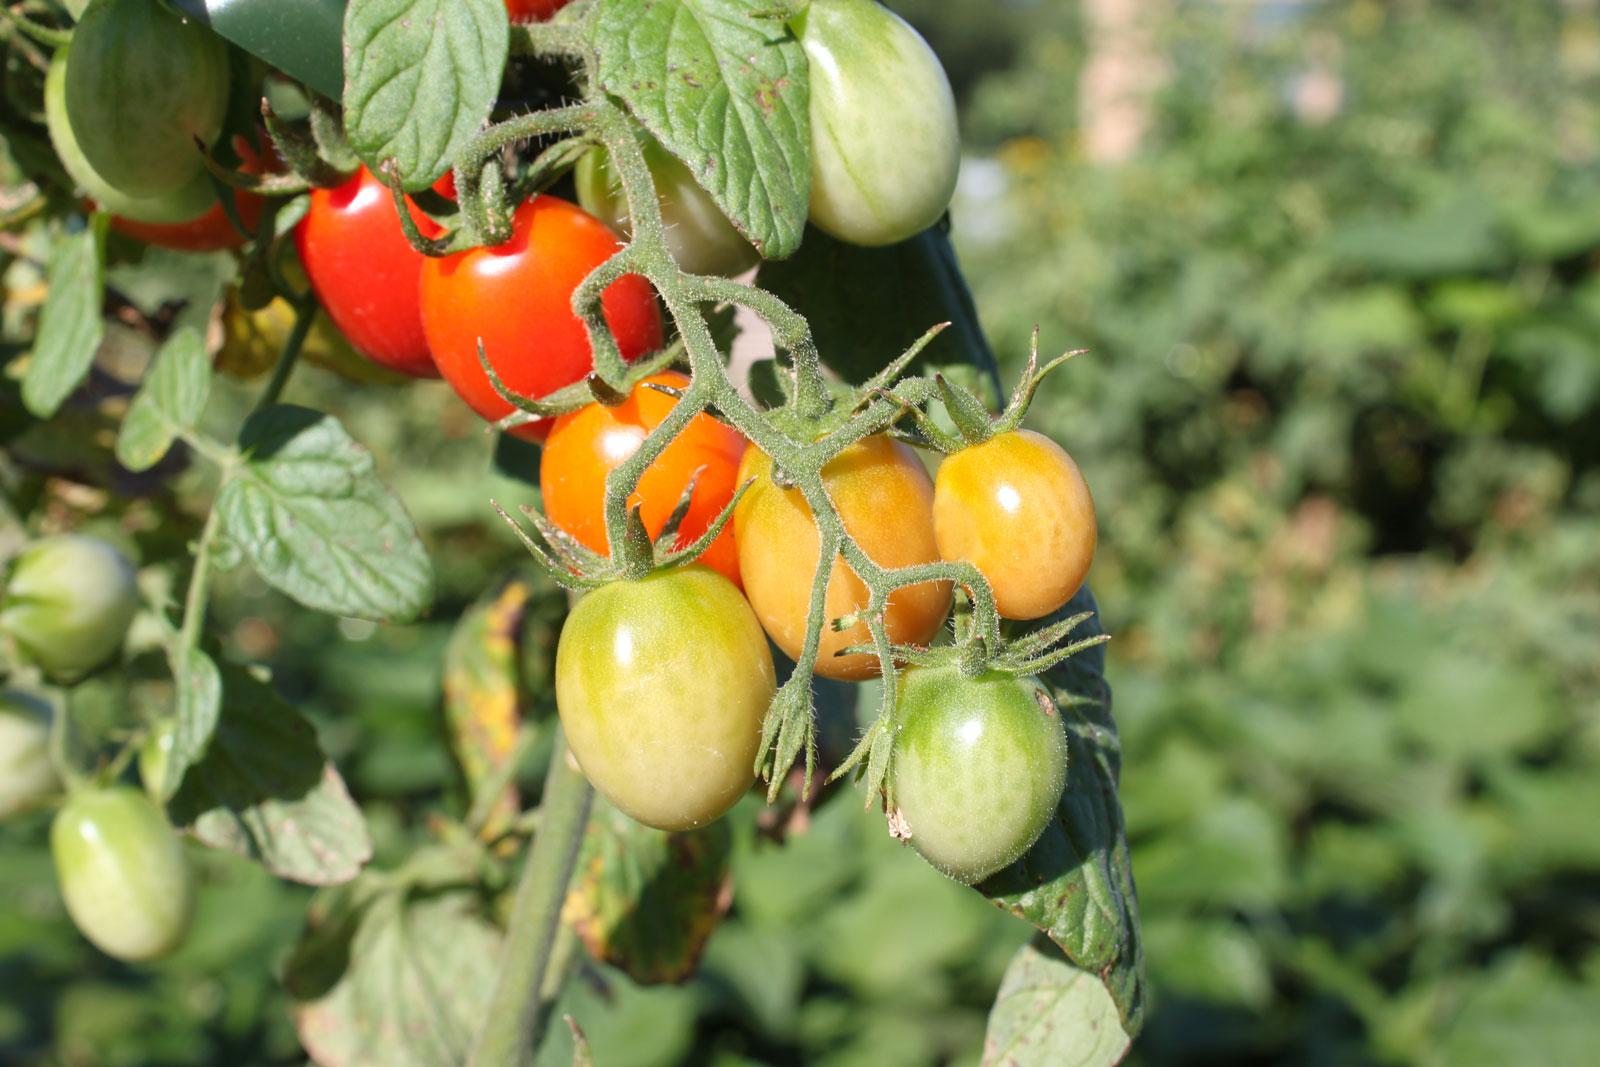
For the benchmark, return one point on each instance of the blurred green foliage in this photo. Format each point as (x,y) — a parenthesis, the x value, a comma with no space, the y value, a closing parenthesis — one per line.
(1342,419)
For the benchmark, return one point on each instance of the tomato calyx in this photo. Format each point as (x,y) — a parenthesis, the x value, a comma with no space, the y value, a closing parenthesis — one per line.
(591,389)
(576,566)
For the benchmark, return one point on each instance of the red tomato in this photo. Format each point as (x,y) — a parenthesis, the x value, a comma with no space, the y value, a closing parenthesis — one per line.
(587,445)
(210,231)
(365,273)
(533,10)
(517,299)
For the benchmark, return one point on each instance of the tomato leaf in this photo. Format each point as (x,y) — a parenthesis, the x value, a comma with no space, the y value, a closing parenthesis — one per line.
(168,403)
(867,305)
(299,37)
(646,900)
(70,326)
(391,979)
(1076,883)
(725,90)
(1049,1013)
(265,790)
(419,79)
(198,702)
(309,510)
(481,694)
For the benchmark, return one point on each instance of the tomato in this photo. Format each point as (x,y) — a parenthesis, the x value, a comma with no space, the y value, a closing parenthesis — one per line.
(365,273)
(1017,508)
(517,298)
(212,230)
(68,603)
(885,147)
(154,756)
(885,498)
(588,444)
(26,773)
(978,767)
(144,84)
(662,685)
(533,10)
(699,235)
(122,873)
(195,198)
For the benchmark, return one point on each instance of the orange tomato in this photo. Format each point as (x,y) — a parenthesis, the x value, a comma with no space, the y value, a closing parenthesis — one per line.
(885,498)
(1018,509)
(589,444)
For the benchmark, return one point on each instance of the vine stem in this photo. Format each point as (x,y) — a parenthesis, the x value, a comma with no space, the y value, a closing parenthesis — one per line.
(305,313)
(515,1021)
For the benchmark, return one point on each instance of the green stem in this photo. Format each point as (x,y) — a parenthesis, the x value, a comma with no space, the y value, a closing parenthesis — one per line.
(514,1024)
(194,601)
(60,758)
(305,314)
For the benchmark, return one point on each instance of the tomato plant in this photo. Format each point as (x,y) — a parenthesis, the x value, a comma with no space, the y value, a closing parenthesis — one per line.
(700,236)
(588,444)
(629,648)
(884,498)
(144,84)
(886,149)
(516,300)
(1018,508)
(979,766)
(665,724)
(122,873)
(26,773)
(67,603)
(365,274)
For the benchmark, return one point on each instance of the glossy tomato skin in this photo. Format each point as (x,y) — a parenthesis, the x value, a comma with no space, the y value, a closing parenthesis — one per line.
(26,773)
(662,685)
(978,767)
(144,84)
(517,298)
(365,273)
(1017,507)
(191,200)
(884,496)
(885,147)
(123,873)
(699,235)
(588,444)
(68,602)
(533,10)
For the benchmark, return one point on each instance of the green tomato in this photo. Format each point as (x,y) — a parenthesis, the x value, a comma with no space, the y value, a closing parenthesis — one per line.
(885,147)
(26,773)
(978,767)
(68,603)
(122,873)
(662,685)
(189,202)
(699,235)
(155,754)
(144,83)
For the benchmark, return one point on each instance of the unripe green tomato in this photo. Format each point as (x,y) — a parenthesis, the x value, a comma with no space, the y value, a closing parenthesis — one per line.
(144,83)
(155,754)
(26,773)
(122,872)
(662,684)
(978,764)
(885,147)
(191,201)
(699,235)
(68,602)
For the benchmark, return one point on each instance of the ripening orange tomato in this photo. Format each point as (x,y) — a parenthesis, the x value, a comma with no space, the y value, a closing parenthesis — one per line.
(885,498)
(588,444)
(1017,507)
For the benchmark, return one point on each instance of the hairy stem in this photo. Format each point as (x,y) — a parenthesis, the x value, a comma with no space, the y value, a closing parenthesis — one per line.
(513,1027)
